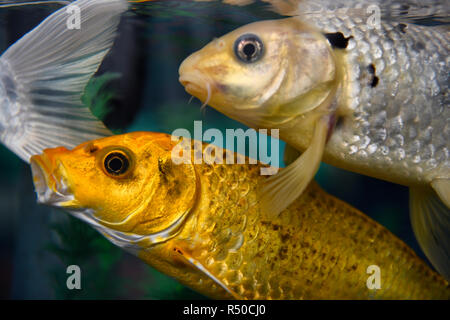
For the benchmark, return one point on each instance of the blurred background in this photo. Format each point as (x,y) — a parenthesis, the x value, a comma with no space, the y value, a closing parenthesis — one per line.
(137,88)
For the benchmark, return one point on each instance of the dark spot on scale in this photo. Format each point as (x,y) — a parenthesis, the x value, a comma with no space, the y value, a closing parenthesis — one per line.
(338,40)
(375,80)
(418,46)
(275,227)
(282,253)
(402,27)
(285,237)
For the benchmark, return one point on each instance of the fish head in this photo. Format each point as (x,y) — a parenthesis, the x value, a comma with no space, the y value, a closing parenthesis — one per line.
(125,186)
(263,73)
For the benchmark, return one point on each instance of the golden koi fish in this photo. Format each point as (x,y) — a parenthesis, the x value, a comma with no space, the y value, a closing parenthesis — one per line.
(364,95)
(203,225)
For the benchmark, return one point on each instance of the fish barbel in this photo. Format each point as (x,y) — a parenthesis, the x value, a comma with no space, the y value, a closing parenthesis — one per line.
(203,225)
(364,95)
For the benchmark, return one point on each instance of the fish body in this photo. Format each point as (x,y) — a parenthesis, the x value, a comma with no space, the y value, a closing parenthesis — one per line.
(396,94)
(203,225)
(43,76)
(369,98)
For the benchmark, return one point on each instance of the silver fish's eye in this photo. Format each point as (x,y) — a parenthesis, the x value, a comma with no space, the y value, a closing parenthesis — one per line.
(249,48)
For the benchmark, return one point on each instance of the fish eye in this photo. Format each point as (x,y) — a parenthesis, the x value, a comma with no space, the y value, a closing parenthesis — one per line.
(248,48)
(117,163)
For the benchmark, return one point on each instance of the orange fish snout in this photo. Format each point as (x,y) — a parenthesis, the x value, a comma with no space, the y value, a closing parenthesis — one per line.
(48,177)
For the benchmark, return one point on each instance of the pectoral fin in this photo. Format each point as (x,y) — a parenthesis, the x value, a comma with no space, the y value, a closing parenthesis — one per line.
(200,267)
(430,219)
(442,188)
(290,155)
(287,185)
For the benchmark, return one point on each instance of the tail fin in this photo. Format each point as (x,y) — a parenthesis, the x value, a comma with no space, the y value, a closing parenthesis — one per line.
(44,75)
(11,4)
(430,219)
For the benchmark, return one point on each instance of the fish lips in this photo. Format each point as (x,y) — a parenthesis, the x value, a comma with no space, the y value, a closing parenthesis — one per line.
(193,80)
(194,85)
(50,186)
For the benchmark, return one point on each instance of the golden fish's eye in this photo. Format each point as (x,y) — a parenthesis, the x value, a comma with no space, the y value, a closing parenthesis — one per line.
(117,163)
(249,48)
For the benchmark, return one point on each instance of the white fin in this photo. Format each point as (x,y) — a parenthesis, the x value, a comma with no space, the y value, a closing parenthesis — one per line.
(32,3)
(442,188)
(45,74)
(430,219)
(283,188)
(200,267)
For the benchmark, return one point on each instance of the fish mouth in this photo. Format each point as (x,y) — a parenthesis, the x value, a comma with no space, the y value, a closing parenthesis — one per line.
(50,186)
(194,84)
(194,81)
